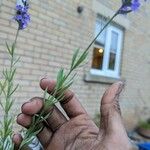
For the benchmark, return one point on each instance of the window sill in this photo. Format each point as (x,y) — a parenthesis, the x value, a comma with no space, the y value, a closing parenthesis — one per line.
(100,79)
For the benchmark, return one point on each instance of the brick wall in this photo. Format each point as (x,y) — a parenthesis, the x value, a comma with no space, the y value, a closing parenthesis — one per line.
(55,31)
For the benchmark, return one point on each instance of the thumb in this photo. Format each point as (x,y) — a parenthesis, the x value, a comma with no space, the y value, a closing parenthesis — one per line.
(111,122)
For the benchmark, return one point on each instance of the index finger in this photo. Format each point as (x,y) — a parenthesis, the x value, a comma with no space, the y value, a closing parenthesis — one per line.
(70,103)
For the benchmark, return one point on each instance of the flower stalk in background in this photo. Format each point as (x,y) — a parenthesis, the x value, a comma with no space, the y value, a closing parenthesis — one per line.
(7,87)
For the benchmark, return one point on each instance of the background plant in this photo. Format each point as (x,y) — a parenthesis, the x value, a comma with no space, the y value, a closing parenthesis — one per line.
(7,86)
(145,124)
(7,89)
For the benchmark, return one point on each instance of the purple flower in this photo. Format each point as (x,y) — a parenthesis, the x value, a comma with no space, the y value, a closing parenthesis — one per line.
(129,5)
(22,16)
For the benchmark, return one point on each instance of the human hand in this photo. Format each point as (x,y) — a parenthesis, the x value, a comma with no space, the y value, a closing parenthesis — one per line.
(78,132)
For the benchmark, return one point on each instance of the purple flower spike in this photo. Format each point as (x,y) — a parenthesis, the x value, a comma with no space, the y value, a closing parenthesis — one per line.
(135,5)
(129,6)
(22,16)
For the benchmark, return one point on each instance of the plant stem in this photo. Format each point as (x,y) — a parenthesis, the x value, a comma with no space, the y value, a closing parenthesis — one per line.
(101,31)
(16,36)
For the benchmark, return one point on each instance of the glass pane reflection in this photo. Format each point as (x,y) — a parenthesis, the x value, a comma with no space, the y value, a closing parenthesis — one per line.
(113,50)
(112,59)
(98,54)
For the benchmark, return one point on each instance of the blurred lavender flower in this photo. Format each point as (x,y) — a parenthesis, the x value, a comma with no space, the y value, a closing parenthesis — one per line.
(22,16)
(135,5)
(128,6)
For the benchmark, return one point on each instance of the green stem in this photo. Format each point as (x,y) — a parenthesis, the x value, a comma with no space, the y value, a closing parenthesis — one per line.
(16,36)
(70,71)
(101,30)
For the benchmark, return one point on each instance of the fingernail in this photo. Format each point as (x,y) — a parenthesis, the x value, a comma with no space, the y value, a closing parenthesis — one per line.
(15,137)
(122,84)
(24,104)
(120,88)
(18,117)
(44,78)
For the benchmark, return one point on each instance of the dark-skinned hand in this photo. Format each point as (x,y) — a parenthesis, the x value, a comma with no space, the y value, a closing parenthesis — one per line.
(78,132)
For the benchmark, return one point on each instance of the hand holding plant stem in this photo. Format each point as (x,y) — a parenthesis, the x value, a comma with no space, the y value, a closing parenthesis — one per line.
(64,81)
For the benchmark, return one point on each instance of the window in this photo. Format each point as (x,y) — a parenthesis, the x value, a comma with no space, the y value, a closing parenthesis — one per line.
(107,50)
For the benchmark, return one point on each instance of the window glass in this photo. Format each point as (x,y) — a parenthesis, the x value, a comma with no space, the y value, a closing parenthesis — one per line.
(113,50)
(102,37)
(114,41)
(98,58)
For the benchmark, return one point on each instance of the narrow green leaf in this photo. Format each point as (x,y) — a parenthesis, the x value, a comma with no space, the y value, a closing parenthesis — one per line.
(9,50)
(16,61)
(13,49)
(81,59)
(38,131)
(49,102)
(75,55)
(14,89)
(5,73)
(3,88)
(12,74)
(45,93)
(60,78)
(26,142)
(9,105)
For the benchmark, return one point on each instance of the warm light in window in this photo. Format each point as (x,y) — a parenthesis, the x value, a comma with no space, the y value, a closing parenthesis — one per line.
(97,58)
(100,50)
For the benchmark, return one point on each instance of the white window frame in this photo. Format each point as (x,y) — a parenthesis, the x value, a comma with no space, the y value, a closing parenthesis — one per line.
(105,71)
